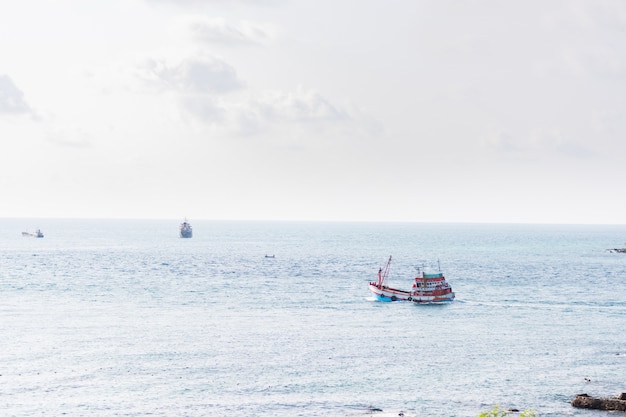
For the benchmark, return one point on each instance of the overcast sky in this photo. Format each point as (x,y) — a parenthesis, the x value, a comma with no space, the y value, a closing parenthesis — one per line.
(370,110)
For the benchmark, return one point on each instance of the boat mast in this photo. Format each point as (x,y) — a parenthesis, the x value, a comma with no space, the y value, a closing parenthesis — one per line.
(382,273)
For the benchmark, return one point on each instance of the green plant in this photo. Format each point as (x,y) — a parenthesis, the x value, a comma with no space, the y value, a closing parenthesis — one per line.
(497,412)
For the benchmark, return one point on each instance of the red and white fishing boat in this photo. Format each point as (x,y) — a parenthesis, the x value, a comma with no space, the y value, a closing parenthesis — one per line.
(429,288)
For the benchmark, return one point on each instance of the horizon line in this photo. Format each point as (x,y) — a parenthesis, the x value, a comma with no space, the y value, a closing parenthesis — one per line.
(465,222)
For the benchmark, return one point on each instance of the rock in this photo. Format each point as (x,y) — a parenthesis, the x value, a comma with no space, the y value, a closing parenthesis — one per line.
(373,409)
(609,404)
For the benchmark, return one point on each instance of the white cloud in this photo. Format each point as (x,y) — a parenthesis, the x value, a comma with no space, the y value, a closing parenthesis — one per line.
(538,141)
(204,107)
(298,106)
(554,140)
(500,140)
(209,90)
(12,98)
(574,149)
(202,74)
(220,31)
(77,139)
(302,110)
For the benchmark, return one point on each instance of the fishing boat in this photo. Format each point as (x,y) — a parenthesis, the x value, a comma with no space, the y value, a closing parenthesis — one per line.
(185,229)
(428,288)
(617,250)
(36,233)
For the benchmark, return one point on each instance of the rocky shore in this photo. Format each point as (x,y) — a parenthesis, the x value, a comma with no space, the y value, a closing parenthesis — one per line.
(609,404)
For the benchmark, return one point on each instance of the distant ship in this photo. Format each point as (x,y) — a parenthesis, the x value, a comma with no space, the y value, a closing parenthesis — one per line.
(185,229)
(617,250)
(37,233)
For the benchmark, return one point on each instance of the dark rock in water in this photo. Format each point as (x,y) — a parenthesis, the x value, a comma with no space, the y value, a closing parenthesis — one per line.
(372,409)
(608,404)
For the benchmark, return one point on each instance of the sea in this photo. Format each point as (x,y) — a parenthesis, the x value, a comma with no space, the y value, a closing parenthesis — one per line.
(251,318)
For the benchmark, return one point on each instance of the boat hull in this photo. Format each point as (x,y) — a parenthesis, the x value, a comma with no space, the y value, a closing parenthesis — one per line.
(185,230)
(37,234)
(387,294)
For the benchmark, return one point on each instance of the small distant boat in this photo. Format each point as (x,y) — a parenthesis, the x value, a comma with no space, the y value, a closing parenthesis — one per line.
(186,230)
(617,250)
(270,256)
(430,288)
(36,233)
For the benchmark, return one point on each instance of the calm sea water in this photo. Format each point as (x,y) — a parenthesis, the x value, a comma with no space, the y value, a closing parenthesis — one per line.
(123,318)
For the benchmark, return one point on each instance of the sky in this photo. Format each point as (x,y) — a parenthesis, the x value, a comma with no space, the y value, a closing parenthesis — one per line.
(314,110)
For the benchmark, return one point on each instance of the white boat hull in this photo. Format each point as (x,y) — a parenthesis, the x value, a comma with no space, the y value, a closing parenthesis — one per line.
(385,293)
